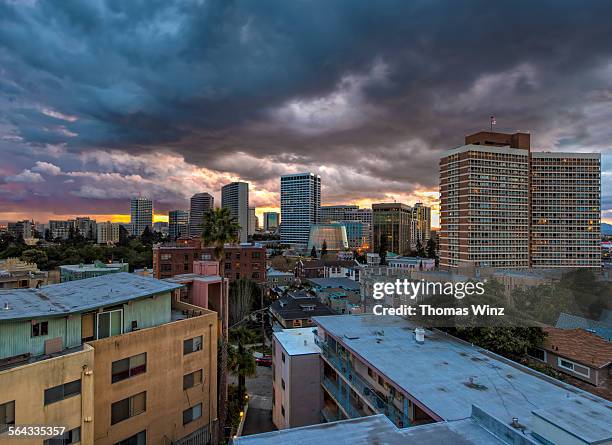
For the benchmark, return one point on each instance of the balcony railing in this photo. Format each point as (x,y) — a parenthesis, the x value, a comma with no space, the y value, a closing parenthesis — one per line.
(380,402)
(342,396)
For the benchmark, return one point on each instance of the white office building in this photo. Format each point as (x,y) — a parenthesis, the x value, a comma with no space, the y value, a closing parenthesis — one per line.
(235,197)
(300,207)
(141,215)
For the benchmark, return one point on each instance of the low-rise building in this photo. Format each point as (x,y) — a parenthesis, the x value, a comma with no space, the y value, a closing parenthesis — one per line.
(279,277)
(296,309)
(15,273)
(577,353)
(323,268)
(241,260)
(295,378)
(71,272)
(114,359)
(412,263)
(379,365)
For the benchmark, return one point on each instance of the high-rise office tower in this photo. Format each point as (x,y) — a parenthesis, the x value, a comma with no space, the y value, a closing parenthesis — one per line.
(300,207)
(271,221)
(235,197)
(503,206)
(391,225)
(141,215)
(420,225)
(335,213)
(200,203)
(565,210)
(178,224)
(253,221)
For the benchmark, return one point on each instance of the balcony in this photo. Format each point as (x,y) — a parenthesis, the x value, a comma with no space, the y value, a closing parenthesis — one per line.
(380,402)
(342,397)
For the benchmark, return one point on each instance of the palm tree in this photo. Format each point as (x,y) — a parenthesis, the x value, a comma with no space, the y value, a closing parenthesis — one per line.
(241,360)
(220,228)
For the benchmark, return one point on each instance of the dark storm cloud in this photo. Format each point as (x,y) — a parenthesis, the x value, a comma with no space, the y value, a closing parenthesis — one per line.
(379,87)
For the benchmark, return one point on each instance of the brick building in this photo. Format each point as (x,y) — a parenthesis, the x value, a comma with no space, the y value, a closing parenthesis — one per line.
(241,260)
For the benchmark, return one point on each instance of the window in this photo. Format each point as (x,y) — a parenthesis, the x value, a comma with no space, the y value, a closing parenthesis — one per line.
(574,367)
(166,267)
(191,414)
(381,382)
(537,353)
(283,383)
(370,373)
(130,407)
(136,439)
(186,267)
(283,357)
(69,437)
(192,345)
(61,392)
(165,256)
(110,323)
(39,329)
(192,379)
(283,410)
(7,415)
(129,367)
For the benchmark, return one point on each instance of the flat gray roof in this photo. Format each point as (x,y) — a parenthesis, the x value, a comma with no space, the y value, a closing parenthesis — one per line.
(376,429)
(345,283)
(448,376)
(101,267)
(298,341)
(79,296)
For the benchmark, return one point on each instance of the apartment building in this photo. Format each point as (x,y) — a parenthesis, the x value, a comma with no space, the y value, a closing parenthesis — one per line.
(381,365)
(115,359)
(295,378)
(15,273)
(504,206)
(420,225)
(565,210)
(271,221)
(107,232)
(241,260)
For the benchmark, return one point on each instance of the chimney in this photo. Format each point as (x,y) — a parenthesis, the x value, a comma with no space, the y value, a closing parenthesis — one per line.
(419,335)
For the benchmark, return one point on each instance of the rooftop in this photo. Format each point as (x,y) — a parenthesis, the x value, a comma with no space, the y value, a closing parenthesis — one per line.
(341,283)
(272,272)
(377,429)
(448,376)
(78,296)
(305,306)
(579,345)
(299,341)
(602,327)
(185,277)
(95,267)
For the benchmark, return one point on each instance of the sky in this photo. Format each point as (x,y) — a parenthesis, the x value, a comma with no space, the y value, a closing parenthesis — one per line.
(102,100)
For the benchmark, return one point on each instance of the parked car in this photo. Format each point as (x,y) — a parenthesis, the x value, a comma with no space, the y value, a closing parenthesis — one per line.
(262,360)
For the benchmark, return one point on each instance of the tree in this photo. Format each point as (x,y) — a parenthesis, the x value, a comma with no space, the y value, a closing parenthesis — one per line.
(242,292)
(513,342)
(420,251)
(313,252)
(241,361)
(36,256)
(147,236)
(219,228)
(431,248)
(324,249)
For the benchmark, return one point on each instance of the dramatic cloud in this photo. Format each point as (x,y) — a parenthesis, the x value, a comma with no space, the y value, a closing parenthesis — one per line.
(101,100)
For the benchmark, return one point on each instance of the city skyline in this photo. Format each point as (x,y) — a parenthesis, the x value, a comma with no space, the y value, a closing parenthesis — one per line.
(372,124)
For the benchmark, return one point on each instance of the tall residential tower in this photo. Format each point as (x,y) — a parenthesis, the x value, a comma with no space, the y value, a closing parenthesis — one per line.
(503,206)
